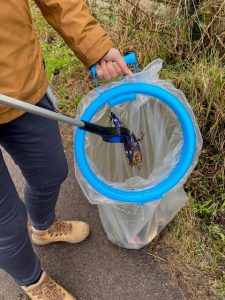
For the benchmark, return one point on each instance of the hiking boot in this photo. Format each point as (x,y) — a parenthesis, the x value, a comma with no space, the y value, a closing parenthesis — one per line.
(47,289)
(61,231)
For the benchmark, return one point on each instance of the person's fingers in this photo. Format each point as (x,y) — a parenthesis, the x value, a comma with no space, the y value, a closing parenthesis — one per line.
(118,69)
(120,61)
(111,70)
(105,73)
(99,71)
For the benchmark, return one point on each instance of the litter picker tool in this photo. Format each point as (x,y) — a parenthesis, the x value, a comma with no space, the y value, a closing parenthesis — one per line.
(108,134)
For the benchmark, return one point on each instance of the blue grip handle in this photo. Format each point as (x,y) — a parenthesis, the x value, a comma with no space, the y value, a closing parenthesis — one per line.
(130,59)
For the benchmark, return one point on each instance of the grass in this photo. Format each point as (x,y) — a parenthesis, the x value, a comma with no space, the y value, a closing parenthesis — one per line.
(191,41)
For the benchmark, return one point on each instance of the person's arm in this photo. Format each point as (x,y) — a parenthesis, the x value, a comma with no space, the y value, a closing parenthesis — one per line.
(82,33)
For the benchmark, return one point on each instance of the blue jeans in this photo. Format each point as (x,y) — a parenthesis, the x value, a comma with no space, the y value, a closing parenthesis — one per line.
(35,145)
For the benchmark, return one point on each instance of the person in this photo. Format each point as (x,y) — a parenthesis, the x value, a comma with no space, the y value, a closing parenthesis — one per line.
(34,142)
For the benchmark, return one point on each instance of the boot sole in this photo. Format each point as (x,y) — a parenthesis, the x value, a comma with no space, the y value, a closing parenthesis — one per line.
(42,243)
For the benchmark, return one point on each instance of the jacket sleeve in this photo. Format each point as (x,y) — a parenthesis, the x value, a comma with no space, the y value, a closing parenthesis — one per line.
(81,32)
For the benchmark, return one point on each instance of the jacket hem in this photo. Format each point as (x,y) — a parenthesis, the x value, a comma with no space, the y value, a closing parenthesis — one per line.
(13,114)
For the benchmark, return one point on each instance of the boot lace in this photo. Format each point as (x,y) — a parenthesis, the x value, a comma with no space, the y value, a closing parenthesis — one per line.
(59,228)
(48,290)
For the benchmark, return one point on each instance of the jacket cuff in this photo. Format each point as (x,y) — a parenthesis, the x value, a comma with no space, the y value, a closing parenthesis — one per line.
(97,51)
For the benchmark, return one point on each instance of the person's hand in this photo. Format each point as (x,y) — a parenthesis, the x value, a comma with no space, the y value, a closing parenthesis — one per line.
(112,65)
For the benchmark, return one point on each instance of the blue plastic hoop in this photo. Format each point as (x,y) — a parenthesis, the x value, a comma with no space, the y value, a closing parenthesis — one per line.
(186,157)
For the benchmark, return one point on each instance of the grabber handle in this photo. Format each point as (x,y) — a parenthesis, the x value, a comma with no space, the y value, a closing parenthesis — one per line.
(129,58)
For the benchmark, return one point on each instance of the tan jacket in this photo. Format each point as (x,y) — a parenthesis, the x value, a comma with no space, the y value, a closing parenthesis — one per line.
(22,73)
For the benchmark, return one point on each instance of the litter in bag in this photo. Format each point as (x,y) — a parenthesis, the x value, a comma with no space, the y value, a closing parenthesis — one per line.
(127,224)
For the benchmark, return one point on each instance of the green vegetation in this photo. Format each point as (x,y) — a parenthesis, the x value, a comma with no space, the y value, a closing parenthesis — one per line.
(191,41)
(57,58)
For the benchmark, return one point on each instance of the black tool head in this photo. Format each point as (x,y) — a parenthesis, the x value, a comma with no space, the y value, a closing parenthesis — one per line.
(108,134)
(118,135)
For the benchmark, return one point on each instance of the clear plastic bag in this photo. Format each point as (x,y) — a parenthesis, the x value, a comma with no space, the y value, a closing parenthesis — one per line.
(130,225)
